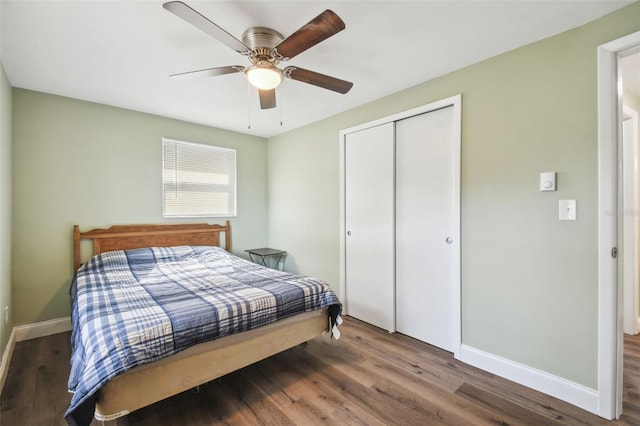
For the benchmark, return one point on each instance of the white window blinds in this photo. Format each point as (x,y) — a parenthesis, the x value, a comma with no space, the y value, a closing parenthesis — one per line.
(198,180)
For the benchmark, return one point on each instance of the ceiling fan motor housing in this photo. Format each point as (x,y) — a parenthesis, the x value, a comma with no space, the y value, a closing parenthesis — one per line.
(261,37)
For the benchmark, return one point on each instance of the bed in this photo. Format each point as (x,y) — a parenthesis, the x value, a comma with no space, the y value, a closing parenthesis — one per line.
(159,309)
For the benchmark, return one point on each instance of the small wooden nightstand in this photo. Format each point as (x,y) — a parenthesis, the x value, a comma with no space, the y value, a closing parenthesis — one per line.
(262,255)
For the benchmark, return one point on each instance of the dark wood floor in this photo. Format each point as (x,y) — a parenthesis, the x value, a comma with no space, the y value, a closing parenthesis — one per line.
(368,377)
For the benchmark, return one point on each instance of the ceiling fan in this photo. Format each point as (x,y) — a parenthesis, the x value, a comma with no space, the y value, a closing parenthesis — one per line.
(265,48)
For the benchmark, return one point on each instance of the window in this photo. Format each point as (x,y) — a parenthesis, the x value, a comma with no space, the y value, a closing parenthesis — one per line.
(198,180)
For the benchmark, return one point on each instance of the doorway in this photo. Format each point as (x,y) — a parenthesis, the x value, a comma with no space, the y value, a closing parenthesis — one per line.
(629,216)
(610,288)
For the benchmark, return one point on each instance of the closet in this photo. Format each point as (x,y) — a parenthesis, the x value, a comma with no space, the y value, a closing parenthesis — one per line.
(401,226)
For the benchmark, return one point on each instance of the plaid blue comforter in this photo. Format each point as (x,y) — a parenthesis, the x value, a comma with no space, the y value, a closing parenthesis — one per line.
(136,306)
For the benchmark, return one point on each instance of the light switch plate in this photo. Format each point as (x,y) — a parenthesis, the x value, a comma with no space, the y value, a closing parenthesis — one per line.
(567,210)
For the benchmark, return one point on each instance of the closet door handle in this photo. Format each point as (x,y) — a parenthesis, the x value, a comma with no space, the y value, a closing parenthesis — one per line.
(449,240)
(348,233)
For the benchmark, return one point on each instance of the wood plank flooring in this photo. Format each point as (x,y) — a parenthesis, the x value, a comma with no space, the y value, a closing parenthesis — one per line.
(368,377)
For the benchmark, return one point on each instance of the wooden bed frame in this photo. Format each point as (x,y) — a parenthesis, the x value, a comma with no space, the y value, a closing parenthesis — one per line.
(149,383)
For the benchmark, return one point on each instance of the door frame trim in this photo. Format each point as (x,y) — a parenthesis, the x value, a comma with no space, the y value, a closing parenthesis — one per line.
(610,349)
(455,102)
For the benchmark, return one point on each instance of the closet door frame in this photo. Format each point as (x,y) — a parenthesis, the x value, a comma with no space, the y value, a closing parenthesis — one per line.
(456,103)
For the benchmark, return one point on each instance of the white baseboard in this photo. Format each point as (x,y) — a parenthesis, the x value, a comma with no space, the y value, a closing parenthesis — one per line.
(26,332)
(573,393)
(41,329)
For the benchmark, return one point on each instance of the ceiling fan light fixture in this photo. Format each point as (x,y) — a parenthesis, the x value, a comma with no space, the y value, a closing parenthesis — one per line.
(264,77)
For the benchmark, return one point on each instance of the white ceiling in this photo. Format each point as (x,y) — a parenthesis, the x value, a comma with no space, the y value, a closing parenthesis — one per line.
(121,52)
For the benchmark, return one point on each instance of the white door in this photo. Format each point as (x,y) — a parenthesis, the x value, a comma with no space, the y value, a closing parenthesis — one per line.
(426,228)
(369,224)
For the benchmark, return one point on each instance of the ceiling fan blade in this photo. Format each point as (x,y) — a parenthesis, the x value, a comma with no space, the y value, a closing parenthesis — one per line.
(267,99)
(193,17)
(318,29)
(317,79)
(209,72)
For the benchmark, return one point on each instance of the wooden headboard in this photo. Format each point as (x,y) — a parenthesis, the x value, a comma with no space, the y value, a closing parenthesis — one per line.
(124,237)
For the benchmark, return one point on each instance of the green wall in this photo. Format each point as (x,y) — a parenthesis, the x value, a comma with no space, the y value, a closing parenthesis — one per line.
(5,207)
(77,162)
(529,281)
(631,101)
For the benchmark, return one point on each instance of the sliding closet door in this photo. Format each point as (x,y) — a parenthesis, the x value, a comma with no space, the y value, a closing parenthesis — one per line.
(369,225)
(425,227)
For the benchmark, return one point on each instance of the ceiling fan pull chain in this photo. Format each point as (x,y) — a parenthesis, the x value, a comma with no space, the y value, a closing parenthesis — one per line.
(248,106)
(280,104)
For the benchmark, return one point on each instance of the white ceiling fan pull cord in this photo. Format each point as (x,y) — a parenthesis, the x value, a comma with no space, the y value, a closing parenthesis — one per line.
(280,104)
(248,106)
